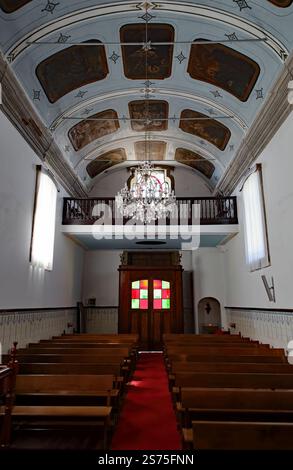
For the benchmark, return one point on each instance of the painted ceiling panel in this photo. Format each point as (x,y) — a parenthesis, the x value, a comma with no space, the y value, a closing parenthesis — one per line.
(79,85)
(223,67)
(149,110)
(209,129)
(281,3)
(105,161)
(141,64)
(72,68)
(88,130)
(9,6)
(150,150)
(194,160)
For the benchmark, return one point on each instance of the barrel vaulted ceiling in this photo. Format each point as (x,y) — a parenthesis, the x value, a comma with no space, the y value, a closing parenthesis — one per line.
(192,99)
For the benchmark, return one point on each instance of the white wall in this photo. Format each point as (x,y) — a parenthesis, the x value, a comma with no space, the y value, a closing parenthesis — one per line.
(243,288)
(208,276)
(22,286)
(101,276)
(187,183)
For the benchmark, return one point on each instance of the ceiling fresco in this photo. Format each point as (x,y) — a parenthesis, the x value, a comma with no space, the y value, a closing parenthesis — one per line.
(105,161)
(223,67)
(154,112)
(220,61)
(72,68)
(209,129)
(192,159)
(9,6)
(154,63)
(151,150)
(89,130)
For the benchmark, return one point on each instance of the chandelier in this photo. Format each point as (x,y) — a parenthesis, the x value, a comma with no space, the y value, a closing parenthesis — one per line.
(148,198)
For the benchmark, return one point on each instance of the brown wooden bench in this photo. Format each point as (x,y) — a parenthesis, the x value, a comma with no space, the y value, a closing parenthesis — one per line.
(59,418)
(71,368)
(77,351)
(67,389)
(178,367)
(224,351)
(235,380)
(224,358)
(223,435)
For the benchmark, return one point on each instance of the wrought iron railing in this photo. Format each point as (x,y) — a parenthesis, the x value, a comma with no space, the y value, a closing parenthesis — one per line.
(212,210)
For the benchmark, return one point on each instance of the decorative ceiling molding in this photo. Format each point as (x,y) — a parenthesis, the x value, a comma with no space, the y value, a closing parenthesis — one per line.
(186,8)
(16,106)
(272,115)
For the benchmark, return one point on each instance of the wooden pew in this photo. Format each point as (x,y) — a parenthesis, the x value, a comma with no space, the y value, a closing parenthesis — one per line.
(116,352)
(235,380)
(232,367)
(224,358)
(63,418)
(75,344)
(67,389)
(222,350)
(174,337)
(223,435)
(71,368)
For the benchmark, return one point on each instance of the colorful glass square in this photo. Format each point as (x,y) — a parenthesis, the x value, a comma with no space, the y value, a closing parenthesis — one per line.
(135,303)
(143,293)
(135,294)
(144,284)
(165,285)
(157,294)
(166,303)
(135,285)
(157,304)
(166,294)
(143,304)
(157,284)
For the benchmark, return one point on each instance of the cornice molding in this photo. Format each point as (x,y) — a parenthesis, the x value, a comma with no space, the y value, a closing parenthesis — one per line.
(270,118)
(16,106)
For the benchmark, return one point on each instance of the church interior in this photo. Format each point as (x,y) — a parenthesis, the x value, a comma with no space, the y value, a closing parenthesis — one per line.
(146,198)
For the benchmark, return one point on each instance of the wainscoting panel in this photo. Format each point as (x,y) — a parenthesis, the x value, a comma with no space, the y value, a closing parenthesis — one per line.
(29,326)
(103,320)
(274,327)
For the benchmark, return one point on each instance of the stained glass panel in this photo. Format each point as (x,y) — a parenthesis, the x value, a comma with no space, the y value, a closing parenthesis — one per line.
(139,295)
(161,294)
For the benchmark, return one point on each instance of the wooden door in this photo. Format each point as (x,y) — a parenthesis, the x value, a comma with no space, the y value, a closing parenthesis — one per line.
(150,304)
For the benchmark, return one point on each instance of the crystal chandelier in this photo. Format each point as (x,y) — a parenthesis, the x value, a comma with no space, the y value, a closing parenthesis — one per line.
(148,198)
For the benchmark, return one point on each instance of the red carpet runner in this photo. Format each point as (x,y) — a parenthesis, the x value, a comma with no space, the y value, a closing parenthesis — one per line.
(147,420)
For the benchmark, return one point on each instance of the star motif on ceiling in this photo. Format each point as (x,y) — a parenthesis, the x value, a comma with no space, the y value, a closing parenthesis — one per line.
(37,95)
(63,38)
(124,119)
(216,94)
(67,148)
(50,7)
(242,4)
(80,94)
(114,57)
(259,94)
(148,83)
(232,37)
(87,111)
(181,57)
(231,147)
(202,142)
(147,17)
(146,6)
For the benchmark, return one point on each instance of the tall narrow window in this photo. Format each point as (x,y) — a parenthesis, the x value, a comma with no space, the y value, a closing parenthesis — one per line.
(256,244)
(42,247)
